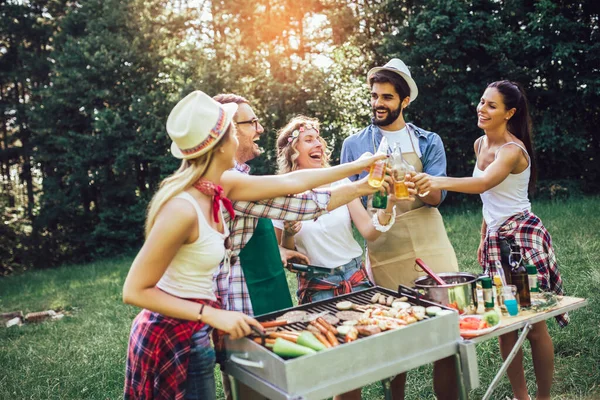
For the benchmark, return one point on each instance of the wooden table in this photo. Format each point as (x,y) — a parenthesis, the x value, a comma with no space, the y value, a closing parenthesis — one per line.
(524,320)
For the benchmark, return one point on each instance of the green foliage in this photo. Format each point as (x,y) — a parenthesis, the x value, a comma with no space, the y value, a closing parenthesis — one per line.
(456,48)
(110,96)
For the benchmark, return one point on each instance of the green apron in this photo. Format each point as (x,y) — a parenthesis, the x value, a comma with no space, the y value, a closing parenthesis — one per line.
(264,274)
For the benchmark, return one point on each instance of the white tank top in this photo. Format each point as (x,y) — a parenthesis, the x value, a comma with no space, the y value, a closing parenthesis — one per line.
(190,273)
(507,198)
(328,241)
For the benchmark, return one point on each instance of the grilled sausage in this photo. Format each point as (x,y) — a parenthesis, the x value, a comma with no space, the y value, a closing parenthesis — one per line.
(390,300)
(332,339)
(320,327)
(327,325)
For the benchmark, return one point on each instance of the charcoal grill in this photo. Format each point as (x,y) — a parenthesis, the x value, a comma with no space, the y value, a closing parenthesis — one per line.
(350,365)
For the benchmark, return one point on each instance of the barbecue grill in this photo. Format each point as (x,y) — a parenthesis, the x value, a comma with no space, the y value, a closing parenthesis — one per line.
(350,365)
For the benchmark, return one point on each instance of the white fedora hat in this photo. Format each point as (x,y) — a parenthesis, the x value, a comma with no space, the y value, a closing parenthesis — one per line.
(396,65)
(197,123)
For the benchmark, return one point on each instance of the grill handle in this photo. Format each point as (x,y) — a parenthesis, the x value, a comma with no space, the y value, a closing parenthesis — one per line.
(243,360)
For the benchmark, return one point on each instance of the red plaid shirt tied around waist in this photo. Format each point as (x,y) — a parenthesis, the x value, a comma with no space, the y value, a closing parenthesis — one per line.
(307,287)
(535,243)
(158,355)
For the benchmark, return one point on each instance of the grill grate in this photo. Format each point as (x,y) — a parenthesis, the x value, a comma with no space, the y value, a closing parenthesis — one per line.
(362,297)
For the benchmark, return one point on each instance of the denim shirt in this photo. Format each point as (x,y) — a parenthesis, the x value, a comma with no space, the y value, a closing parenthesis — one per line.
(433,155)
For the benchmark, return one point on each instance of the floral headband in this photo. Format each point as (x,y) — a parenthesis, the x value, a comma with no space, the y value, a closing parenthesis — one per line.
(302,128)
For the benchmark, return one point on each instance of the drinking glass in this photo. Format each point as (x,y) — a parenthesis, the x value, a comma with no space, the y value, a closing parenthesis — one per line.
(509,293)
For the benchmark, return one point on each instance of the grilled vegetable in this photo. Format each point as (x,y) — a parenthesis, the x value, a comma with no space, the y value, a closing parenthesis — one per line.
(285,348)
(344,329)
(418,312)
(307,339)
(400,305)
(352,335)
(433,310)
(344,305)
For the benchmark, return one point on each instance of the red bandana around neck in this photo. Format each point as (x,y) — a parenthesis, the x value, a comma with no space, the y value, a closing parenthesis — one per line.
(216,192)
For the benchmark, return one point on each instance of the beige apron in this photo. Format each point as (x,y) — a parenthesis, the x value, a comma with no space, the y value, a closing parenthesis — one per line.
(418,232)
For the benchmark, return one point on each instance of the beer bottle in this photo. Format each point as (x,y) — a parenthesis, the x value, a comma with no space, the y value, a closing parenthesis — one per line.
(400,167)
(519,277)
(377,172)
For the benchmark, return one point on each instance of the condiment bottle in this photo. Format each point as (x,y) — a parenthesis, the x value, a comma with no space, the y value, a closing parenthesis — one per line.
(400,167)
(499,299)
(520,279)
(488,299)
(479,291)
(377,172)
(533,280)
(505,252)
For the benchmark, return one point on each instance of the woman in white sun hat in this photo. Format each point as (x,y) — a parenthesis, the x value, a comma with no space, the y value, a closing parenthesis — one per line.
(170,354)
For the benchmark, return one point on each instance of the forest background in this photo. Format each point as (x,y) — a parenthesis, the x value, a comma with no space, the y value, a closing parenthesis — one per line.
(86,86)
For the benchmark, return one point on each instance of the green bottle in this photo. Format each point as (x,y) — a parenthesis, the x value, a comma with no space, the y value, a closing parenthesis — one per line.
(379,200)
(533,281)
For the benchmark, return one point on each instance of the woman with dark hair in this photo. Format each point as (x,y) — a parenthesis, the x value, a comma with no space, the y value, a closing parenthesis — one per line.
(504,174)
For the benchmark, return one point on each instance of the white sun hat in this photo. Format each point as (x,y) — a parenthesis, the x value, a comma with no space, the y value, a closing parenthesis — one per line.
(197,123)
(396,65)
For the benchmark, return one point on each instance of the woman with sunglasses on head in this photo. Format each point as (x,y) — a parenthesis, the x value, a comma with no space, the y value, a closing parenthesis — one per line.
(504,174)
(328,241)
(170,354)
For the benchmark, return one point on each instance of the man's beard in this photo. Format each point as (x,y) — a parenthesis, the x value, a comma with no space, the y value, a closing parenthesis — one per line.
(392,116)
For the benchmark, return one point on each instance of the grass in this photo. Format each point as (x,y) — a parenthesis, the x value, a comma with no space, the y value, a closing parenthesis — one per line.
(83,355)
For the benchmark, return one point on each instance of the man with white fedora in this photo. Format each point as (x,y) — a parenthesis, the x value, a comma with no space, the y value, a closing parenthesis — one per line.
(419,230)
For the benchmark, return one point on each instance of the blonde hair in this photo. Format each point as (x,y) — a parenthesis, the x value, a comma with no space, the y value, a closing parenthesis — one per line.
(287,153)
(189,172)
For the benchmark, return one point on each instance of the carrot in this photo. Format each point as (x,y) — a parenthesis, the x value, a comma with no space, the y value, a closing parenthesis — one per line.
(327,325)
(286,336)
(272,324)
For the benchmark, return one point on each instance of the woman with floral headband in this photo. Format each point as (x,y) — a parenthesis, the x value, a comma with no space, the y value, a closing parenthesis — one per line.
(329,240)
(170,354)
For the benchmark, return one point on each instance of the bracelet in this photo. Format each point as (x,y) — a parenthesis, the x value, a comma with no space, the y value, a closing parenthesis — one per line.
(200,312)
(388,226)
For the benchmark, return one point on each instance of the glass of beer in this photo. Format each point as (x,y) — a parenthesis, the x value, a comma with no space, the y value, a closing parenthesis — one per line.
(400,167)
(377,174)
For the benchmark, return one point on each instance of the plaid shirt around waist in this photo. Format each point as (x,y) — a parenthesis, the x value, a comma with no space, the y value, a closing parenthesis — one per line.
(528,232)
(158,355)
(229,282)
